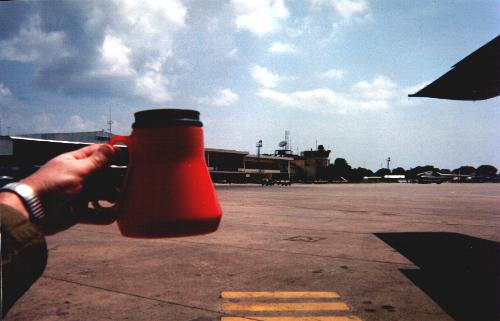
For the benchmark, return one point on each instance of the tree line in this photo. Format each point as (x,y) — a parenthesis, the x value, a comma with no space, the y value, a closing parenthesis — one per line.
(341,170)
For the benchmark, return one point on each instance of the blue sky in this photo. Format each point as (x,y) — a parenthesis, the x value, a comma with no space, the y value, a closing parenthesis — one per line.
(335,72)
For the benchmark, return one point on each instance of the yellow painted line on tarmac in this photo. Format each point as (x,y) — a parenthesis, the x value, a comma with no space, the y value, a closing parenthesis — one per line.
(306,306)
(279,294)
(305,318)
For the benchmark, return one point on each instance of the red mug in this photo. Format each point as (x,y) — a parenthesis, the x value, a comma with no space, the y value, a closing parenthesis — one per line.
(167,189)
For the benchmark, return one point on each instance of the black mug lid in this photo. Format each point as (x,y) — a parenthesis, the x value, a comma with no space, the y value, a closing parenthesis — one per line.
(166,117)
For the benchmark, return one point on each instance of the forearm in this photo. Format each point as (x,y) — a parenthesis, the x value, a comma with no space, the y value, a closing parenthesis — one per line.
(24,251)
(58,183)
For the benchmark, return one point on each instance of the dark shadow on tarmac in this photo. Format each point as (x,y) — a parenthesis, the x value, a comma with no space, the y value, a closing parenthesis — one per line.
(459,272)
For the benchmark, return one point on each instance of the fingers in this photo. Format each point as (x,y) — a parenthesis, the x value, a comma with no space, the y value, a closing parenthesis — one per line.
(86,151)
(97,156)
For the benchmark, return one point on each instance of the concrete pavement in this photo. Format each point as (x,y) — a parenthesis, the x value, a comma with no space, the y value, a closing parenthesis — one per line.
(390,252)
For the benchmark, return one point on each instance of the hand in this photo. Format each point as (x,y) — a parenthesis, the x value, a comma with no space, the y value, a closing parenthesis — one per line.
(60,182)
(61,179)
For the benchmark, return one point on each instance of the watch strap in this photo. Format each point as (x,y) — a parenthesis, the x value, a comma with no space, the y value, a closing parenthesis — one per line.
(29,198)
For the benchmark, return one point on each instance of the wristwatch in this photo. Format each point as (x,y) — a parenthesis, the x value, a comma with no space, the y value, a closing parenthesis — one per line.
(29,199)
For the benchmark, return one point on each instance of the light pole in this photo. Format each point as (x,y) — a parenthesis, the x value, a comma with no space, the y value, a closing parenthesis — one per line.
(259,145)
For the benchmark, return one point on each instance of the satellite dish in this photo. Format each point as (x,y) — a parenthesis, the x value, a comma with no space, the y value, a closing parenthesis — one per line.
(282,143)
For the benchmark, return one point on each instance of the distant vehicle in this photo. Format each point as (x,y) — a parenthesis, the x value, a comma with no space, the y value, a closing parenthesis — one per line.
(271,182)
(283,182)
(436,177)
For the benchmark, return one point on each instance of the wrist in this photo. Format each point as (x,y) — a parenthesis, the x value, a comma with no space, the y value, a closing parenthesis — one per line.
(14,201)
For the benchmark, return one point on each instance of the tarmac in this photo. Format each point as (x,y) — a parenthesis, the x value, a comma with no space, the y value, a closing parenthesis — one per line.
(302,252)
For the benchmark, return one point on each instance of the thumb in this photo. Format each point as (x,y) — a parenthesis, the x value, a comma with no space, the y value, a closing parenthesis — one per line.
(99,157)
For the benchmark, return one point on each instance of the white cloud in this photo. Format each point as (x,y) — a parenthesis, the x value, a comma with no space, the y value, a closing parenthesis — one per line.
(44,122)
(347,9)
(9,109)
(32,44)
(77,124)
(282,48)
(153,86)
(321,99)
(8,101)
(331,74)
(50,123)
(139,42)
(142,14)
(4,91)
(264,77)
(260,17)
(350,8)
(377,94)
(232,53)
(115,57)
(223,97)
(380,88)
(118,47)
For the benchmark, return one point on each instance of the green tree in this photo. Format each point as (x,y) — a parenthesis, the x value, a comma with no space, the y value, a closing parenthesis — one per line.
(464,170)
(341,169)
(359,173)
(486,171)
(398,171)
(382,172)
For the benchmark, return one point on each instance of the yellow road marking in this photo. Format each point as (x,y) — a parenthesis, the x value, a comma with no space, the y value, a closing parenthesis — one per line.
(307,306)
(318,318)
(279,294)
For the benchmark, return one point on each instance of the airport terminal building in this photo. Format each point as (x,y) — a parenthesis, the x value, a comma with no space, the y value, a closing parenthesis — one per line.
(21,155)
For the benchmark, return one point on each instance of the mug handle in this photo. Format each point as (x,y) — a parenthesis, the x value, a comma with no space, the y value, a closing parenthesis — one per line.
(106,215)
(119,139)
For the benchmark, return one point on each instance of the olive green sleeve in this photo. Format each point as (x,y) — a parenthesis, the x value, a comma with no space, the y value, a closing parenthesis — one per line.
(24,255)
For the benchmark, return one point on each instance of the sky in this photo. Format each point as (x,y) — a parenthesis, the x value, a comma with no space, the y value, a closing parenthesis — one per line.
(332,72)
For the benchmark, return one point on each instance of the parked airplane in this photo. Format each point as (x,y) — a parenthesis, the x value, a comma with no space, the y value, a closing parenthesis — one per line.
(438,178)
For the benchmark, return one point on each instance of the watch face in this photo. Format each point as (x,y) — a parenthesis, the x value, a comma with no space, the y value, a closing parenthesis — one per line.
(24,190)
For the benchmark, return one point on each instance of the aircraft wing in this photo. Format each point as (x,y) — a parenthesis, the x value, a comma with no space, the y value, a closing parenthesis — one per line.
(476,77)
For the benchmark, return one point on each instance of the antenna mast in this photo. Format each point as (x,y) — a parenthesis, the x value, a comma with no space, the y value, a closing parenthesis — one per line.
(109,122)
